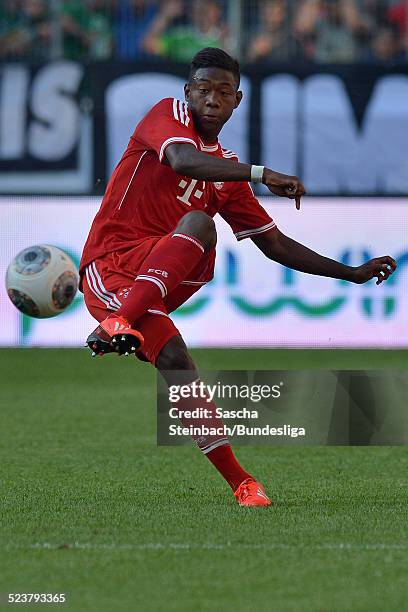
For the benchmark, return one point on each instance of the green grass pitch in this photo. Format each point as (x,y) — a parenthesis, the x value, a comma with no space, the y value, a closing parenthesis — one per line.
(92,508)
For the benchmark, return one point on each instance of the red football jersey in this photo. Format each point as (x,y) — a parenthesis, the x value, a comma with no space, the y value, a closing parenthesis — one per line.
(145,197)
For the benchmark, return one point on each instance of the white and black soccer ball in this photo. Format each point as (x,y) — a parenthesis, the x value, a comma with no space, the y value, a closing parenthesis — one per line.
(42,281)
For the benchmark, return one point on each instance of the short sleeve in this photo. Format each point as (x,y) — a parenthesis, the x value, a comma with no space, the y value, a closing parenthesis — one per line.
(243,212)
(168,122)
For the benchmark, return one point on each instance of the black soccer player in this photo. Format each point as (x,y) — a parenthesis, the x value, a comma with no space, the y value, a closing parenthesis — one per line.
(152,243)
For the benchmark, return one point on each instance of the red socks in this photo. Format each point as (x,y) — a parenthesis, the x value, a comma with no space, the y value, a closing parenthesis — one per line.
(224,460)
(161,272)
(215,446)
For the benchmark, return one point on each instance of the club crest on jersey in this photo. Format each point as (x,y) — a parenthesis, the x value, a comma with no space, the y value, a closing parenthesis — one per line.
(123,293)
(218,185)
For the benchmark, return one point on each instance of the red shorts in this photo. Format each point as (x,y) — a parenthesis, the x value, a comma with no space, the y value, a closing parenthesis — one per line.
(107,281)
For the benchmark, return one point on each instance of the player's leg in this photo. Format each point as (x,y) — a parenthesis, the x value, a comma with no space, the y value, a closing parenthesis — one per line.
(170,263)
(164,348)
(103,286)
(177,367)
(167,265)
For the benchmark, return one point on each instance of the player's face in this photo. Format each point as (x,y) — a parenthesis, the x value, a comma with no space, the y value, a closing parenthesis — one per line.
(212,96)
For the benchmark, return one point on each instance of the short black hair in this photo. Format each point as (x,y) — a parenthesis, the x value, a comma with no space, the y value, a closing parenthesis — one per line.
(211,57)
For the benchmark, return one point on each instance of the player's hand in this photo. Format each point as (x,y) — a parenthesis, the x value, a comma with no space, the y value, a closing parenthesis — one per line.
(284,185)
(379,267)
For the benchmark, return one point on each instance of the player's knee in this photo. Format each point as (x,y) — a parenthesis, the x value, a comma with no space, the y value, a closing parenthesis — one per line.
(200,225)
(175,356)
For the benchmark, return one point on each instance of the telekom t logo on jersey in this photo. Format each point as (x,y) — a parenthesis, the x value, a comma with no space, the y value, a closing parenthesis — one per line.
(189,189)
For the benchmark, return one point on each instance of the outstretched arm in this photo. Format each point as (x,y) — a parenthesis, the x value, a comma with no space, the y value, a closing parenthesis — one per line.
(186,160)
(292,254)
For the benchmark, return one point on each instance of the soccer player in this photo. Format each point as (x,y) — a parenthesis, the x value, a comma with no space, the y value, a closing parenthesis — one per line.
(152,243)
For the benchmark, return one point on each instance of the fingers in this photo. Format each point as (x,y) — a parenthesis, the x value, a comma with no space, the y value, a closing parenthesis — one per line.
(295,190)
(386,259)
(380,268)
(299,193)
(285,186)
(382,272)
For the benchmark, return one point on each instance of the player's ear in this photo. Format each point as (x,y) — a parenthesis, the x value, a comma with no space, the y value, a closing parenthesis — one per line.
(187,91)
(238,98)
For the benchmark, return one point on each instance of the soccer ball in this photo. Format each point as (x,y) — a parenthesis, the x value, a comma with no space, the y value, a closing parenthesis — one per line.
(42,281)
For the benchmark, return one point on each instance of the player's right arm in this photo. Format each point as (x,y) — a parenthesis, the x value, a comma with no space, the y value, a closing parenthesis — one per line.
(186,160)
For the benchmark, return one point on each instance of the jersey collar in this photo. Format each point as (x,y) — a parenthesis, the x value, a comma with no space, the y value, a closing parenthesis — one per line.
(208,148)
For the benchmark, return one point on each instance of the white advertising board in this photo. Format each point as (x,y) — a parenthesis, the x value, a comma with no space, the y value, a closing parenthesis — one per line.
(251,301)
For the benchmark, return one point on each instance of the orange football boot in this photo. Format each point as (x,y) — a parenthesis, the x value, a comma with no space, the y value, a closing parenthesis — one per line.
(114,334)
(251,493)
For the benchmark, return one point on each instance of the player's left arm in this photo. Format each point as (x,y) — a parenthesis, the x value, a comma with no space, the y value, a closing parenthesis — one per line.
(288,252)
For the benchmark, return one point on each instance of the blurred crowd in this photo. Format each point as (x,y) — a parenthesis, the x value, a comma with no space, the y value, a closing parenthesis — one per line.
(322,31)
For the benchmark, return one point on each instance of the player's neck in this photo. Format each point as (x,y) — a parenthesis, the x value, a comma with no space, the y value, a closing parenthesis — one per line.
(209,138)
